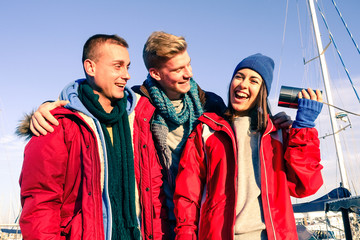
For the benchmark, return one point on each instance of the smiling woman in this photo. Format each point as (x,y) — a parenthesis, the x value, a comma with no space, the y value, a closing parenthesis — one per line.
(245,166)
(244,90)
(250,86)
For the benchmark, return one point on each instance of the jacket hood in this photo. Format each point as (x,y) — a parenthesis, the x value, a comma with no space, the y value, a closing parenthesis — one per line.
(23,128)
(70,93)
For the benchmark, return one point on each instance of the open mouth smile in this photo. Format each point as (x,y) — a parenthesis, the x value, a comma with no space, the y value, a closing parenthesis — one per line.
(120,85)
(241,95)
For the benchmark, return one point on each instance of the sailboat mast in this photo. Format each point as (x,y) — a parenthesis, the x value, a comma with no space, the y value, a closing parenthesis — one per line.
(325,74)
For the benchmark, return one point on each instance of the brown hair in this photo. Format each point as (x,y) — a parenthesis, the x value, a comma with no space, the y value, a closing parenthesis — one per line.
(160,47)
(258,114)
(92,44)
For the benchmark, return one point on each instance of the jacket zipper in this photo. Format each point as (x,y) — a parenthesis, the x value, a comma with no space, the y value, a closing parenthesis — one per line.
(96,170)
(235,157)
(106,186)
(95,184)
(266,183)
(150,178)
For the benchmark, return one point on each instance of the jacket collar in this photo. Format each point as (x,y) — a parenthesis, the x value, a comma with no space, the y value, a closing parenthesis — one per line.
(270,126)
(216,122)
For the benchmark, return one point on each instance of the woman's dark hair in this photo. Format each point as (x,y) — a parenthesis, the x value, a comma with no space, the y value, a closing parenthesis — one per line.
(258,114)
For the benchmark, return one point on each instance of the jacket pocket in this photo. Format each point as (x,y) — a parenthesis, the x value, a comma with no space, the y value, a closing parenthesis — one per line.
(72,226)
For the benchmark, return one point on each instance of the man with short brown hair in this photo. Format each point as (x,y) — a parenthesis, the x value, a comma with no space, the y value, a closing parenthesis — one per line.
(79,182)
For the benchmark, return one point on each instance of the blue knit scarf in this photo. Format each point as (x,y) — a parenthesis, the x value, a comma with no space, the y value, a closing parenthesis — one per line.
(165,120)
(165,115)
(165,111)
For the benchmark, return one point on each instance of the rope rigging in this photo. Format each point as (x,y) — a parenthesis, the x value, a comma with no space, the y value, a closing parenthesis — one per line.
(337,50)
(347,29)
(356,114)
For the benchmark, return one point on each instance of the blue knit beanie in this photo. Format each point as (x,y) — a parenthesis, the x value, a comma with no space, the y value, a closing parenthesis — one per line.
(261,64)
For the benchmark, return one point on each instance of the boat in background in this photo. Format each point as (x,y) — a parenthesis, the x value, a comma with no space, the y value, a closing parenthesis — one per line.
(334,215)
(10,231)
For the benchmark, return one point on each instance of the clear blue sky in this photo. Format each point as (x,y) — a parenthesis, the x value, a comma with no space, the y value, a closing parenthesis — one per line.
(41,46)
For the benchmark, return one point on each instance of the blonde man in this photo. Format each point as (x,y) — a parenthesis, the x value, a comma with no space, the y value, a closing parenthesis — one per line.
(168,103)
(173,101)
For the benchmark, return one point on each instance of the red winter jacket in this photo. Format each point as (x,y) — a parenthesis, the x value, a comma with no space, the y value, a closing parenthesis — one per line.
(148,173)
(205,194)
(155,223)
(60,190)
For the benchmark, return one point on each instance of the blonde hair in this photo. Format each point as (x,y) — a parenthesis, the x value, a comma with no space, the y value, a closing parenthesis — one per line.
(160,47)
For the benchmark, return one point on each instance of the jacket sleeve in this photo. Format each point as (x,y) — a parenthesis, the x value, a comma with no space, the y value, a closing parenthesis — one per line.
(303,168)
(190,182)
(41,181)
